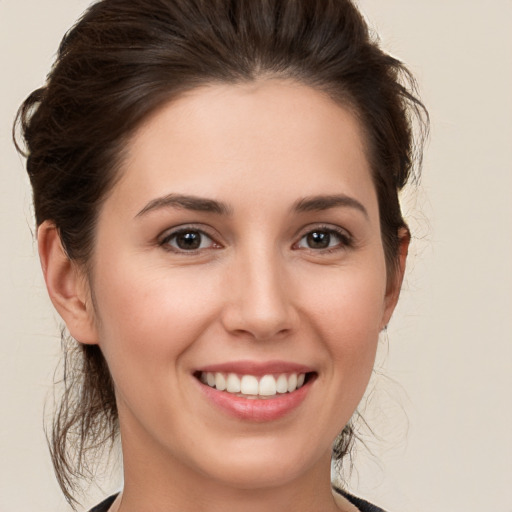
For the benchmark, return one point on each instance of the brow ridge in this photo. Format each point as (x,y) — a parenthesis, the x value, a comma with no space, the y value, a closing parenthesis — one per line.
(195,203)
(326,202)
(187,202)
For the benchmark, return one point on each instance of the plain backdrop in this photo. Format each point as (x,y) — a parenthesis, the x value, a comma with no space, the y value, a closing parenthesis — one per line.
(441,399)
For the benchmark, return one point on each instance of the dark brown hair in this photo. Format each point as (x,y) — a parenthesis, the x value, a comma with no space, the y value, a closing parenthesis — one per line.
(126,58)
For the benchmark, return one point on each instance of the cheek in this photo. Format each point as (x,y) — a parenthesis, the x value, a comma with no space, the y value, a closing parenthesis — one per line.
(347,316)
(350,306)
(149,314)
(147,323)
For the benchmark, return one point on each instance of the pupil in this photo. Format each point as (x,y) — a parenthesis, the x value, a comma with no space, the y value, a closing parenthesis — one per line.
(188,241)
(319,240)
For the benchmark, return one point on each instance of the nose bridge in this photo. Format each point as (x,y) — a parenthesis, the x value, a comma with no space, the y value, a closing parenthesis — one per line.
(260,303)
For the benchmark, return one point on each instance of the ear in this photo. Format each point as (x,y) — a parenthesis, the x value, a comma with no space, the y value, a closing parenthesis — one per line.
(67,285)
(395,281)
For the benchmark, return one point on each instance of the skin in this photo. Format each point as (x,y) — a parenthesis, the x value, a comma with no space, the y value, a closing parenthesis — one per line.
(255,290)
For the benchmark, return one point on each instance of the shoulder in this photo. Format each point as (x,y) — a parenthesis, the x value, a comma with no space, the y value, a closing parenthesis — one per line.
(104,505)
(362,505)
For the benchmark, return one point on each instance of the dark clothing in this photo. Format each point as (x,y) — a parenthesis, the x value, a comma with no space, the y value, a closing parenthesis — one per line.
(362,505)
(104,505)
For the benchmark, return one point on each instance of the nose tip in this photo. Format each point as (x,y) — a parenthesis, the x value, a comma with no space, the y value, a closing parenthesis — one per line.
(260,305)
(259,324)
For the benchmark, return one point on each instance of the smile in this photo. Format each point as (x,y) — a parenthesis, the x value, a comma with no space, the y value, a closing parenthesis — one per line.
(252,386)
(256,392)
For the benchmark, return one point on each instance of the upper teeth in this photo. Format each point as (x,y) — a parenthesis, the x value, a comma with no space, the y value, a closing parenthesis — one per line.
(267,385)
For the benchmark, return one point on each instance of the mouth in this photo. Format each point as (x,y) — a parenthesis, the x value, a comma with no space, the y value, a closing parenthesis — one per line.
(255,392)
(253,387)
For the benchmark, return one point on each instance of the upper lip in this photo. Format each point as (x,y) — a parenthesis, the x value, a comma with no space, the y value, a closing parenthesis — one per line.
(256,368)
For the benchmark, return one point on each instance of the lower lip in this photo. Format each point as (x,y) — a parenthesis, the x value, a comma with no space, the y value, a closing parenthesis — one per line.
(258,410)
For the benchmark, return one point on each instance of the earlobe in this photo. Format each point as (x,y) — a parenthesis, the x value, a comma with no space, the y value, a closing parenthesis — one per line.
(395,284)
(67,286)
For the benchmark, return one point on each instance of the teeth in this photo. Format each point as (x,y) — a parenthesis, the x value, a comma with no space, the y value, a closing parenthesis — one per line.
(210,379)
(292,382)
(251,386)
(233,383)
(267,386)
(282,384)
(220,381)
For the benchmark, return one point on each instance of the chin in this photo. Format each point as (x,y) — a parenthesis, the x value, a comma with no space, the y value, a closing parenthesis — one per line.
(259,475)
(260,465)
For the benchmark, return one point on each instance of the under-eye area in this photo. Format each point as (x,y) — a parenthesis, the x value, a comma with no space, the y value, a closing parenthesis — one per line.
(252,386)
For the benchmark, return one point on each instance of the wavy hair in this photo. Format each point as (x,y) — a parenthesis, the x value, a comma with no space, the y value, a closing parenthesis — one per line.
(123,60)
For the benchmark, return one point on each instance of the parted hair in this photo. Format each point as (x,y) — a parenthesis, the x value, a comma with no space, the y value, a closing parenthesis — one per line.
(124,59)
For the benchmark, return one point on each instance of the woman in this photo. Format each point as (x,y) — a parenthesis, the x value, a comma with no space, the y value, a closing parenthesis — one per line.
(216,194)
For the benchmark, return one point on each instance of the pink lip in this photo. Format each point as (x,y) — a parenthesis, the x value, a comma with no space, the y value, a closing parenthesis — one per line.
(258,409)
(256,368)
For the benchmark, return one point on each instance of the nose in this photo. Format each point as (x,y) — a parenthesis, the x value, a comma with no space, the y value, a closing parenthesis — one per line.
(259,302)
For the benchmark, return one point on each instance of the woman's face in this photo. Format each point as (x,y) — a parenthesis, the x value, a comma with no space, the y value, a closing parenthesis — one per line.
(241,248)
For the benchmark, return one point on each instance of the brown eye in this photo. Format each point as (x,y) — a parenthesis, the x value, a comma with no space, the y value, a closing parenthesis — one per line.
(319,239)
(188,240)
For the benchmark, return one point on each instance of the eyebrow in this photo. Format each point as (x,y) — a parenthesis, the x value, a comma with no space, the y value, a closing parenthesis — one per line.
(326,202)
(187,202)
(201,204)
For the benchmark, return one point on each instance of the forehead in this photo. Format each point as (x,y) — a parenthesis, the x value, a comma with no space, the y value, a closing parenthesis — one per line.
(272,137)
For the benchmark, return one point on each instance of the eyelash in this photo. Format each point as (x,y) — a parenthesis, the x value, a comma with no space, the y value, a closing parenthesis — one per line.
(165,241)
(345,240)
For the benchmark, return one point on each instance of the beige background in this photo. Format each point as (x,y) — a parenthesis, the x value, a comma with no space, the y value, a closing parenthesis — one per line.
(442,399)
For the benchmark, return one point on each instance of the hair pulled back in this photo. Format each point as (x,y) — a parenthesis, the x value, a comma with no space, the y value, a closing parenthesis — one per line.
(126,58)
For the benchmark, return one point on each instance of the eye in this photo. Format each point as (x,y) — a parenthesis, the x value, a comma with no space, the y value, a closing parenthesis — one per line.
(187,240)
(324,238)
